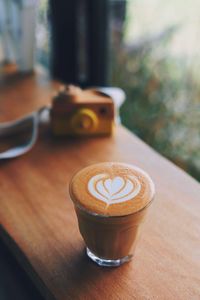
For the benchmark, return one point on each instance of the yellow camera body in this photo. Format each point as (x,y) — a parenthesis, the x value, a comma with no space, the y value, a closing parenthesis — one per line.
(82,112)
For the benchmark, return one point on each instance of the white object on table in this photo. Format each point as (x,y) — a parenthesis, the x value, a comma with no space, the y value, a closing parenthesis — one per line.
(17,26)
(118,96)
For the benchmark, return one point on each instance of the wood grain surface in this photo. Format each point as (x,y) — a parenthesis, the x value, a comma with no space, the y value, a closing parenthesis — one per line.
(39,224)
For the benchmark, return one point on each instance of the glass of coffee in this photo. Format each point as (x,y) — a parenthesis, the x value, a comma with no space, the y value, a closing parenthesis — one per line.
(111,201)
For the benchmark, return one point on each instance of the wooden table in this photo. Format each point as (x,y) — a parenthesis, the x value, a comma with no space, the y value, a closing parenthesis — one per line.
(39,225)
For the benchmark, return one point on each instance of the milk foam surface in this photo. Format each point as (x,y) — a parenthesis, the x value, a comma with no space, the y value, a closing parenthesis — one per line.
(112,189)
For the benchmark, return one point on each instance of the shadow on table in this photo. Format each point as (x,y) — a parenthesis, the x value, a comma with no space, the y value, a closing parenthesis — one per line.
(80,276)
(14,283)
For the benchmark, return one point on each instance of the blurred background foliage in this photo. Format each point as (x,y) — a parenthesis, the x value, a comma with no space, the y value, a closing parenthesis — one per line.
(160,75)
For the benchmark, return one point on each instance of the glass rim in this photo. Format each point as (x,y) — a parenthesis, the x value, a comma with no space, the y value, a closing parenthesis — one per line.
(92,213)
(89,212)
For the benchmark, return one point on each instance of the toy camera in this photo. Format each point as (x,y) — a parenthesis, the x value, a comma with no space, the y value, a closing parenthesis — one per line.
(82,112)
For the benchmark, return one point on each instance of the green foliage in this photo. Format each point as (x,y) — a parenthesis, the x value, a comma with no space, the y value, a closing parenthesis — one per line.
(163,102)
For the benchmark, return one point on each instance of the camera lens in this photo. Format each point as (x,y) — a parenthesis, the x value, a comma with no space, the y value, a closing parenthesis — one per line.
(103,110)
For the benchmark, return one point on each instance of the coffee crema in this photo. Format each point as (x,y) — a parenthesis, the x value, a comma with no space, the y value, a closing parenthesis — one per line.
(112,189)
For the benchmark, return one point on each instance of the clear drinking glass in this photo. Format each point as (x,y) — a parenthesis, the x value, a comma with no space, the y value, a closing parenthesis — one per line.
(111,201)
(110,241)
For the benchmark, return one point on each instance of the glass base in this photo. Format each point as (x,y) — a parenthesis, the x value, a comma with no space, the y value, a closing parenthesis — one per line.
(108,262)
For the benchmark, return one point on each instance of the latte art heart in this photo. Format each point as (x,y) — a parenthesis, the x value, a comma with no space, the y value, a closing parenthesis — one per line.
(114,190)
